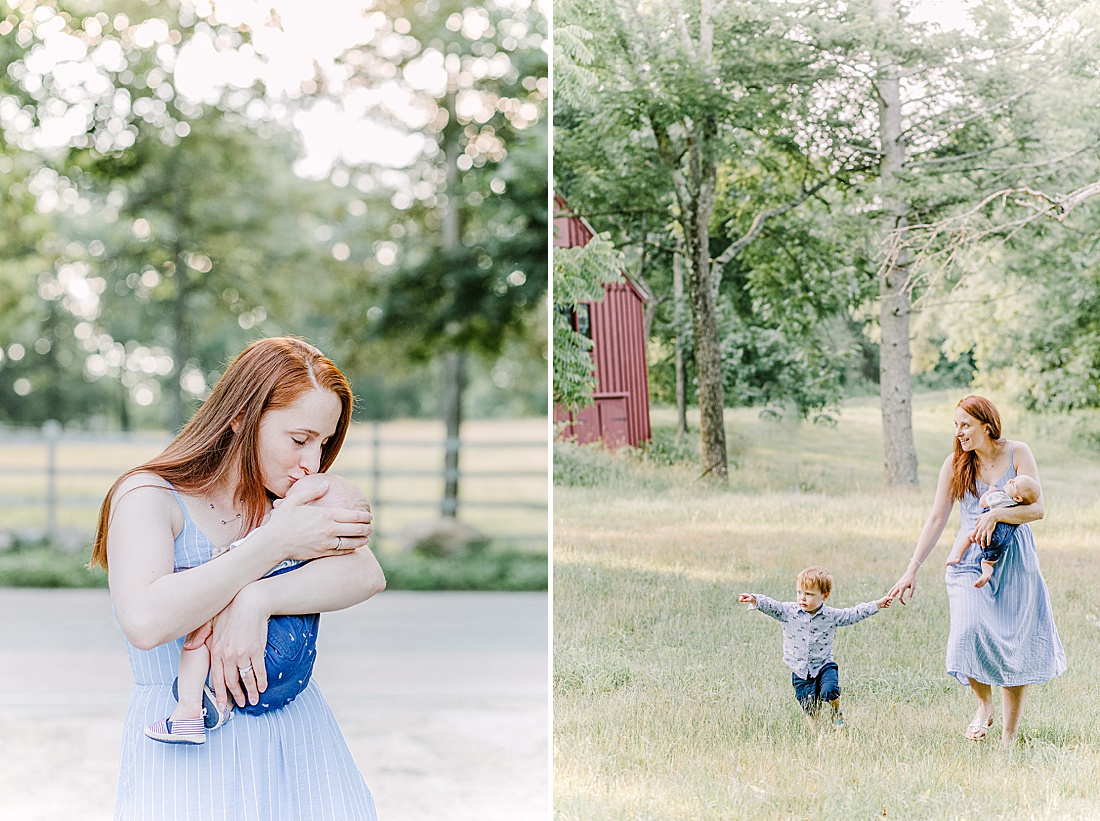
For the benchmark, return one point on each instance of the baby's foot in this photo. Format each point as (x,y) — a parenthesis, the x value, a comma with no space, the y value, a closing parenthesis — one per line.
(987,573)
(953,559)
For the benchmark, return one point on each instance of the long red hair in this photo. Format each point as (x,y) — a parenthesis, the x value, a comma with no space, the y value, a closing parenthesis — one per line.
(268,374)
(964,464)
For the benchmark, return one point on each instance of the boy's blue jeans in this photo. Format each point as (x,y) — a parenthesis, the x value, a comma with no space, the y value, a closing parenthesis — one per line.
(825,686)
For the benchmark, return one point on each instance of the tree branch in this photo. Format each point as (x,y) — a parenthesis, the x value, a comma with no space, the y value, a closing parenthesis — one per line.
(739,245)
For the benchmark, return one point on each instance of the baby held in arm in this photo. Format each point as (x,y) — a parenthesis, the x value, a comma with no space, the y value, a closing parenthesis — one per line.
(289,655)
(1022,490)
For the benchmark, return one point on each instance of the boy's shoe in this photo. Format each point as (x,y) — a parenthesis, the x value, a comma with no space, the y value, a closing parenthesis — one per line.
(838,720)
(184,731)
(212,719)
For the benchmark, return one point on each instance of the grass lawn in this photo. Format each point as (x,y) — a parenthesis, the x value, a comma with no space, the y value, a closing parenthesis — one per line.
(671,700)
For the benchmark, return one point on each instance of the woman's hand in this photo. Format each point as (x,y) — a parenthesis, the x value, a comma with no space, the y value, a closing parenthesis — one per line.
(312,531)
(908,581)
(237,649)
(983,529)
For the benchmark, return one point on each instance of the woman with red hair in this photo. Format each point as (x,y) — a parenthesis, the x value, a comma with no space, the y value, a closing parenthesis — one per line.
(1002,633)
(279,413)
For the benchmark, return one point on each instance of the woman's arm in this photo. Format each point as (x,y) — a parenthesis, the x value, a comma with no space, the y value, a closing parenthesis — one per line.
(929,535)
(240,631)
(1017,514)
(155,605)
(339,581)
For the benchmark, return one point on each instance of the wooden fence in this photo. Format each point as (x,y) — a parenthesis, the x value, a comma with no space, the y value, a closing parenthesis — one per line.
(52,481)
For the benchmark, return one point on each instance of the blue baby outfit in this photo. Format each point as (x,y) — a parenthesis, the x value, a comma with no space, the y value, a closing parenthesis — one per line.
(289,655)
(291,763)
(1002,633)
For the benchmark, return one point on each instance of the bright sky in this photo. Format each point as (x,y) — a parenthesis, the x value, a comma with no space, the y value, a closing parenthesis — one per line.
(948,14)
(379,123)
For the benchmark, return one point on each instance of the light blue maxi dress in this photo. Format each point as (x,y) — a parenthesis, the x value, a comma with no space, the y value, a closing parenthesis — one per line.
(291,763)
(1002,633)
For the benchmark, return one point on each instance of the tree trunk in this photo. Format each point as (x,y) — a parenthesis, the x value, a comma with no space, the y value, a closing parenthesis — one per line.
(181,342)
(895,383)
(678,319)
(454,362)
(702,174)
(454,382)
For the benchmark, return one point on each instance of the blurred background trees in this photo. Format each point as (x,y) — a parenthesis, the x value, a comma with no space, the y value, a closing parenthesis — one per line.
(177,179)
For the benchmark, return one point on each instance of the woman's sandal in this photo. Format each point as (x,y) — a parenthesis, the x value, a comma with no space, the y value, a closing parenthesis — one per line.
(975,731)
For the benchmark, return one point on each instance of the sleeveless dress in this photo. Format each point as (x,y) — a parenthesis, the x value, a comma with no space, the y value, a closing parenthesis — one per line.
(291,763)
(1002,633)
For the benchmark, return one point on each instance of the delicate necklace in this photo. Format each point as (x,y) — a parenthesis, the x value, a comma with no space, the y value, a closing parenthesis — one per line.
(993,461)
(224,521)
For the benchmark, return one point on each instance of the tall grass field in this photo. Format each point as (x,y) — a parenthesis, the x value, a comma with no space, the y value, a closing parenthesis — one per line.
(671,699)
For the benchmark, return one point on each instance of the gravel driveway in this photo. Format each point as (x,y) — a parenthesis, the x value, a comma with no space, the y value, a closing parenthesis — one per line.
(443,699)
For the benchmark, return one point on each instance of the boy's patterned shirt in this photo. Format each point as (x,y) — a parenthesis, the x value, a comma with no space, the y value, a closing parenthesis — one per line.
(808,639)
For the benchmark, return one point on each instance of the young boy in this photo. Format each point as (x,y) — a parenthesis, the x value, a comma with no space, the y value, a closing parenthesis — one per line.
(288,657)
(808,628)
(1022,490)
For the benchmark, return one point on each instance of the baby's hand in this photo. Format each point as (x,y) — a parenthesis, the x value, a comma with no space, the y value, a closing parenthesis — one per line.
(884,602)
(748,597)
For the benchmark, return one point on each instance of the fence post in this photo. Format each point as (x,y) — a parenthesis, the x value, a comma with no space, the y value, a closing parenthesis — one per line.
(51,432)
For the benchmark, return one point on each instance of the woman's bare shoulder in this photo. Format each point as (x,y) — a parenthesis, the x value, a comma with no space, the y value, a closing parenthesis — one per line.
(144,488)
(147,494)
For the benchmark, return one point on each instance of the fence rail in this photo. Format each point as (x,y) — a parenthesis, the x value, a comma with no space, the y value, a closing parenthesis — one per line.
(53,480)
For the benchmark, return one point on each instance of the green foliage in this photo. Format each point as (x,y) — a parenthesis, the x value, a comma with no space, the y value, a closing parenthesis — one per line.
(492,569)
(579,277)
(38,564)
(170,233)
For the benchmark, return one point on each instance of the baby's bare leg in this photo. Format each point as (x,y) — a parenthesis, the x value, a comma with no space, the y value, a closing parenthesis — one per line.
(987,572)
(958,549)
(194,668)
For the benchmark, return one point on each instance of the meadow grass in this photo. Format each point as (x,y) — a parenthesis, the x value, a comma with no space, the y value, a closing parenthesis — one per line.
(671,700)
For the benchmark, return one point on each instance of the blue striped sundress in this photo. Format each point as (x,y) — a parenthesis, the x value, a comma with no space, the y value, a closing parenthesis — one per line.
(1002,633)
(291,763)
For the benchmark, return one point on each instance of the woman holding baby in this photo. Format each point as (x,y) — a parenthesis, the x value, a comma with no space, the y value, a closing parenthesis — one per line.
(1002,629)
(278,414)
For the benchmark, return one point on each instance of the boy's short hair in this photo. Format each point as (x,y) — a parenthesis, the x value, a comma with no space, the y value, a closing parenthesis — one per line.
(815,577)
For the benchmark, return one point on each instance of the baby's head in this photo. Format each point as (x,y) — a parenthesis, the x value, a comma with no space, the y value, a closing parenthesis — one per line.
(814,584)
(341,492)
(1023,489)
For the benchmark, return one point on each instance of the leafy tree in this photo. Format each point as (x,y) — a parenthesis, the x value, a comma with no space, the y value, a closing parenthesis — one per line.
(471,263)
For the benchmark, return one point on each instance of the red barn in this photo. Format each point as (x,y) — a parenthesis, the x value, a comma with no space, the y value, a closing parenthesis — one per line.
(619,413)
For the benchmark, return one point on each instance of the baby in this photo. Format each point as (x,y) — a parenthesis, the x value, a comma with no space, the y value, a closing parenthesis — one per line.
(1023,490)
(288,657)
(808,628)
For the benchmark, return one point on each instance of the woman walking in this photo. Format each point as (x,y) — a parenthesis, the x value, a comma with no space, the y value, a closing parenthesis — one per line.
(1002,633)
(279,413)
